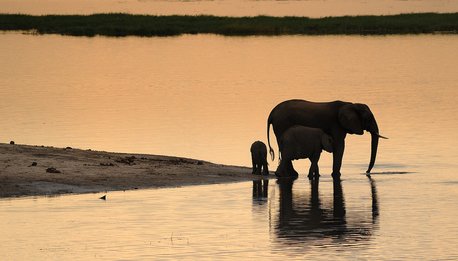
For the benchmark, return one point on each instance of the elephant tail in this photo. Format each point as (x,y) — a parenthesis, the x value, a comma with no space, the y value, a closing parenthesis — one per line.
(271,151)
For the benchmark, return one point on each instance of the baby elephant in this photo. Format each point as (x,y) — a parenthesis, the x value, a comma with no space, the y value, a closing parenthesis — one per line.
(300,142)
(259,158)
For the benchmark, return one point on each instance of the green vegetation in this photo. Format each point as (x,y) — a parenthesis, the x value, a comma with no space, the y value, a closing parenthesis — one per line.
(145,25)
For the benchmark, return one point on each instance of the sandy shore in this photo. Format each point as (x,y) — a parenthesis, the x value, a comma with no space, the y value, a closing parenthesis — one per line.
(37,170)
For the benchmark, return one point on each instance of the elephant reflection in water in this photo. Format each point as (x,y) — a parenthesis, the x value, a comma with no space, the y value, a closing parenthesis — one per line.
(375,209)
(260,188)
(301,220)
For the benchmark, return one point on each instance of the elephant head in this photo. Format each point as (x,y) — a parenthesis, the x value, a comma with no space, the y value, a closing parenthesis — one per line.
(326,142)
(356,118)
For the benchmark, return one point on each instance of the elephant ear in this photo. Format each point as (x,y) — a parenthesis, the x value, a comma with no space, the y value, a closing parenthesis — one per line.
(327,142)
(350,119)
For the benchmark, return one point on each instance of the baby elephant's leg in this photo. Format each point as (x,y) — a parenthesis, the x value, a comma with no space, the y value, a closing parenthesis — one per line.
(254,165)
(265,168)
(314,170)
(258,169)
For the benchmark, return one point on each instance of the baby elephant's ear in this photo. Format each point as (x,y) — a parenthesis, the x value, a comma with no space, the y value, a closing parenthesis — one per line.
(327,142)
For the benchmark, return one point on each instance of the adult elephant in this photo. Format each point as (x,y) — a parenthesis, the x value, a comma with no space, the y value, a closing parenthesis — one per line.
(335,118)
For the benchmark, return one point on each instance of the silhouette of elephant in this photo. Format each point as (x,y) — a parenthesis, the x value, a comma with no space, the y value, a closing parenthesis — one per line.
(300,142)
(259,158)
(303,219)
(335,118)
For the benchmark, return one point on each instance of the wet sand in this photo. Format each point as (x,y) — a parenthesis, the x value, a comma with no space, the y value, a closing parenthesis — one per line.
(68,170)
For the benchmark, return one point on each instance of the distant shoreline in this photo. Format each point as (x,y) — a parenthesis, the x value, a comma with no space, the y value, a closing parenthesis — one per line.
(119,25)
(42,171)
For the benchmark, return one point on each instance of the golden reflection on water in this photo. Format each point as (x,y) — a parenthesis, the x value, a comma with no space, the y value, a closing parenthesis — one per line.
(387,217)
(208,97)
(230,8)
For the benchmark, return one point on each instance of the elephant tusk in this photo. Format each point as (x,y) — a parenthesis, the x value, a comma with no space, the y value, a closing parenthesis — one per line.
(380,136)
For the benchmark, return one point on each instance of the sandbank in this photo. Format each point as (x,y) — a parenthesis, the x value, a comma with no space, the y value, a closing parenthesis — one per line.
(39,170)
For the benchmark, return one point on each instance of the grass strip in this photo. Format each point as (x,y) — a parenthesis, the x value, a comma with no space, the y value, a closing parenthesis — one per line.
(117,24)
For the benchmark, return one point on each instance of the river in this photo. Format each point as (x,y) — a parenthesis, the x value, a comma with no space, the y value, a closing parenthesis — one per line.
(208,97)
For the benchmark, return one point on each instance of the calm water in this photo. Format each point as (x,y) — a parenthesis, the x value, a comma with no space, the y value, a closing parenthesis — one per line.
(311,8)
(391,217)
(208,97)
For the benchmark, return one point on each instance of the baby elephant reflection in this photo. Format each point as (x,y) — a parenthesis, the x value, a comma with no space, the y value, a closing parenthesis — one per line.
(300,142)
(260,188)
(259,158)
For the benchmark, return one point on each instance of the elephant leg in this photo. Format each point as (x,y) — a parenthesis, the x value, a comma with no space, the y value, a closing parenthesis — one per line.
(314,171)
(285,169)
(254,166)
(317,171)
(310,176)
(315,163)
(265,168)
(291,171)
(280,169)
(337,155)
(258,169)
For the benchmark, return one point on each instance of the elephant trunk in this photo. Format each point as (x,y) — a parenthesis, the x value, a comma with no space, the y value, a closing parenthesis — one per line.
(374,145)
